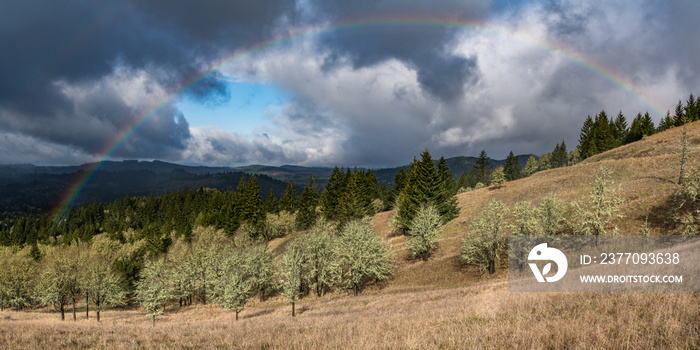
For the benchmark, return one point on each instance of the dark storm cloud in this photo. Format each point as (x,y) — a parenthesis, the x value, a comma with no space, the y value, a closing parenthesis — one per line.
(48,45)
(423,47)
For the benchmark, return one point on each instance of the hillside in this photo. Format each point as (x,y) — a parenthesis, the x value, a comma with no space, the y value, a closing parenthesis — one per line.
(439,303)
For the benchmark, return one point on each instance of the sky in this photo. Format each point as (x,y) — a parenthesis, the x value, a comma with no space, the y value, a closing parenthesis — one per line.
(367,83)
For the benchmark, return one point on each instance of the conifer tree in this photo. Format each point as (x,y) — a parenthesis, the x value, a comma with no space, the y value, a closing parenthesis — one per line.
(289,199)
(585,140)
(679,116)
(252,206)
(665,123)
(530,166)
(306,214)
(559,156)
(512,167)
(329,203)
(602,133)
(620,129)
(498,177)
(271,204)
(445,200)
(481,169)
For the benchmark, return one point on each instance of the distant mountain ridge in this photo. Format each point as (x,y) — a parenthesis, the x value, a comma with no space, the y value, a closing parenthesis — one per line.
(24,187)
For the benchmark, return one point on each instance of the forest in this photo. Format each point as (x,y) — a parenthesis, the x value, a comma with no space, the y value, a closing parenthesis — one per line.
(210,246)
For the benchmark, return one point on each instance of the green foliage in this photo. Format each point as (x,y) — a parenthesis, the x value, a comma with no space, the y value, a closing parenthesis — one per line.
(530,166)
(291,273)
(551,214)
(16,277)
(425,230)
(483,245)
(101,284)
(53,287)
(594,213)
(559,156)
(481,169)
(289,199)
(526,222)
(322,270)
(330,201)
(427,184)
(641,126)
(234,286)
(512,168)
(278,225)
(306,214)
(155,288)
(363,255)
(498,177)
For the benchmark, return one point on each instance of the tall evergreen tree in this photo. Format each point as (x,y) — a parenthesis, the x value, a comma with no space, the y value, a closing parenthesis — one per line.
(329,202)
(679,116)
(271,204)
(559,156)
(602,133)
(427,184)
(530,166)
(620,129)
(306,214)
(252,208)
(585,140)
(481,170)
(665,123)
(512,167)
(288,202)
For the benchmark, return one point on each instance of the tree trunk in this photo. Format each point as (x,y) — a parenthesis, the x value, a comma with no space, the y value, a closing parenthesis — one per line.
(237,311)
(75,318)
(87,307)
(492,267)
(154,321)
(293,311)
(354,290)
(63,314)
(98,315)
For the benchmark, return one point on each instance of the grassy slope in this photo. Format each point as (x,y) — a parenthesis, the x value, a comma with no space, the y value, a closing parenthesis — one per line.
(435,304)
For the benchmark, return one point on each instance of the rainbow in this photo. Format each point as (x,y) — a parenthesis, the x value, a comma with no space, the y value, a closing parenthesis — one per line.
(73,192)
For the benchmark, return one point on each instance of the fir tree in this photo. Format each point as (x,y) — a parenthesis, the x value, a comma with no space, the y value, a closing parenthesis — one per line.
(512,167)
(271,203)
(665,123)
(530,166)
(481,169)
(329,202)
(498,177)
(559,156)
(620,129)
(288,201)
(306,214)
(585,139)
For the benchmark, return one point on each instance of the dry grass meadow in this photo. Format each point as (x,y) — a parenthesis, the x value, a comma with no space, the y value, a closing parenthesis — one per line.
(436,304)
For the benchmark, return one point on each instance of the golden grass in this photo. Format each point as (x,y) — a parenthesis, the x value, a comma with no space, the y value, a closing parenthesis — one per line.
(436,304)
(486,316)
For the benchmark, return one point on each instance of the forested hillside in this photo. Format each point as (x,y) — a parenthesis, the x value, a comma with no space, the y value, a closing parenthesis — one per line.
(432,236)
